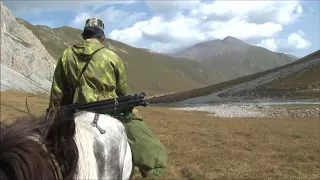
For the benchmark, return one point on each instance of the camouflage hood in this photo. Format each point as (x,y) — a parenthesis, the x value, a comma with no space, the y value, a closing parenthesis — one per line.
(84,50)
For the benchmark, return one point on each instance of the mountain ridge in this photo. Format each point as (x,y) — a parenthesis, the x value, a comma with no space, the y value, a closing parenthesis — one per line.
(234,55)
(297,80)
(151,72)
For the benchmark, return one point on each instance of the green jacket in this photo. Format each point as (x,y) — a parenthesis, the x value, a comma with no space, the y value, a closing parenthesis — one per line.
(104,77)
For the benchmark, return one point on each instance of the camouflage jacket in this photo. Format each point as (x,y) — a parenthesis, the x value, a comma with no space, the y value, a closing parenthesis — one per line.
(104,77)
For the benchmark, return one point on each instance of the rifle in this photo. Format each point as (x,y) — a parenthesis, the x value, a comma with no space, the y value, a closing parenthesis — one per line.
(120,105)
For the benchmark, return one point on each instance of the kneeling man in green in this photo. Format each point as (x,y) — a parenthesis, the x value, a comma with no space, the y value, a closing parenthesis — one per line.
(94,72)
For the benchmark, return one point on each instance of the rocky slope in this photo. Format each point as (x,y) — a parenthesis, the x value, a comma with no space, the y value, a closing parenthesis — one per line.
(25,62)
(297,80)
(284,83)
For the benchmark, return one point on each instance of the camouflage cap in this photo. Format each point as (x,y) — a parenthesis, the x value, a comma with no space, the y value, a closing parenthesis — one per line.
(94,22)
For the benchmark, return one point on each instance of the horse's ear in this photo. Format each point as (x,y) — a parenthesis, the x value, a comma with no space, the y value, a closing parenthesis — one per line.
(47,121)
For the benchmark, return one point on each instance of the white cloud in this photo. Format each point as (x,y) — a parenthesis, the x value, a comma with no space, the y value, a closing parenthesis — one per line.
(301,33)
(179,24)
(293,43)
(117,17)
(269,44)
(190,22)
(36,7)
(296,41)
(80,19)
(165,36)
(282,12)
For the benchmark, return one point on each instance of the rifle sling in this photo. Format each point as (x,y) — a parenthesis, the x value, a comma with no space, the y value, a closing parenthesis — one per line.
(67,100)
(85,67)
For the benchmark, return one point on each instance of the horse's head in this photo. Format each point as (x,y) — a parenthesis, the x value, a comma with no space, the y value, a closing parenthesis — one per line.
(30,146)
(22,155)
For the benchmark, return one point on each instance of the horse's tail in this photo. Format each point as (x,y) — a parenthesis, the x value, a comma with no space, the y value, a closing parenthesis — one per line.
(21,154)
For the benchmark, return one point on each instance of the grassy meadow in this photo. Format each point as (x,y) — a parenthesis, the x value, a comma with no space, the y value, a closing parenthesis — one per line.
(203,147)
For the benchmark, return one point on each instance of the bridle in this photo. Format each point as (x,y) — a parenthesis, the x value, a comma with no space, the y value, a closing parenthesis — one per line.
(55,165)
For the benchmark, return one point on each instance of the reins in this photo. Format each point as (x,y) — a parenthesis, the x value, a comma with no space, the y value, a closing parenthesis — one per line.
(55,165)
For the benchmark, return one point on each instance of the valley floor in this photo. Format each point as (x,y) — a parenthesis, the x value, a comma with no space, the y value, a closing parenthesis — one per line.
(205,147)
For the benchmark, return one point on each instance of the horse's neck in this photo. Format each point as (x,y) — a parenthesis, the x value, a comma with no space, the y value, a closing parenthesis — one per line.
(102,153)
(84,138)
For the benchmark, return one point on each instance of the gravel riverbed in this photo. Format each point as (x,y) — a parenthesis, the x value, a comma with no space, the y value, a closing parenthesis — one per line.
(249,110)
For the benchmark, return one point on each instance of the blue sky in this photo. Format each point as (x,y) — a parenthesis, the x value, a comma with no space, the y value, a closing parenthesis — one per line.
(170,26)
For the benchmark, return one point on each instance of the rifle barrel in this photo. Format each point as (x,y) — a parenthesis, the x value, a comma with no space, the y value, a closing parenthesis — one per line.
(108,105)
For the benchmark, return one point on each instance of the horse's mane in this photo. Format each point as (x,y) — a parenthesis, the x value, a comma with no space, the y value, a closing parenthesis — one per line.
(22,155)
(62,143)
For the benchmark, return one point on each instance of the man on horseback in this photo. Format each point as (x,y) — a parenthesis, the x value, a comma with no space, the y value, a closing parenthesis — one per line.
(87,72)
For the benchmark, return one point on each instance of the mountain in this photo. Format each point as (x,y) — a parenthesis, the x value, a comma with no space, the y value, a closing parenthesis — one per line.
(25,63)
(148,71)
(235,56)
(207,50)
(292,56)
(27,58)
(297,80)
(164,73)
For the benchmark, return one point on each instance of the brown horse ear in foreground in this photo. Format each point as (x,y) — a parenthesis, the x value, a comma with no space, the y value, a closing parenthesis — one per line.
(65,147)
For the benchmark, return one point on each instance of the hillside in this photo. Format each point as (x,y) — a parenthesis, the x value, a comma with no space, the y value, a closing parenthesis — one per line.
(25,63)
(297,80)
(158,73)
(234,55)
(147,71)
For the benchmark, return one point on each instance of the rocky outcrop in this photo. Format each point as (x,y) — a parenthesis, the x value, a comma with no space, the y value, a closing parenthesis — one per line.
(25,63)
